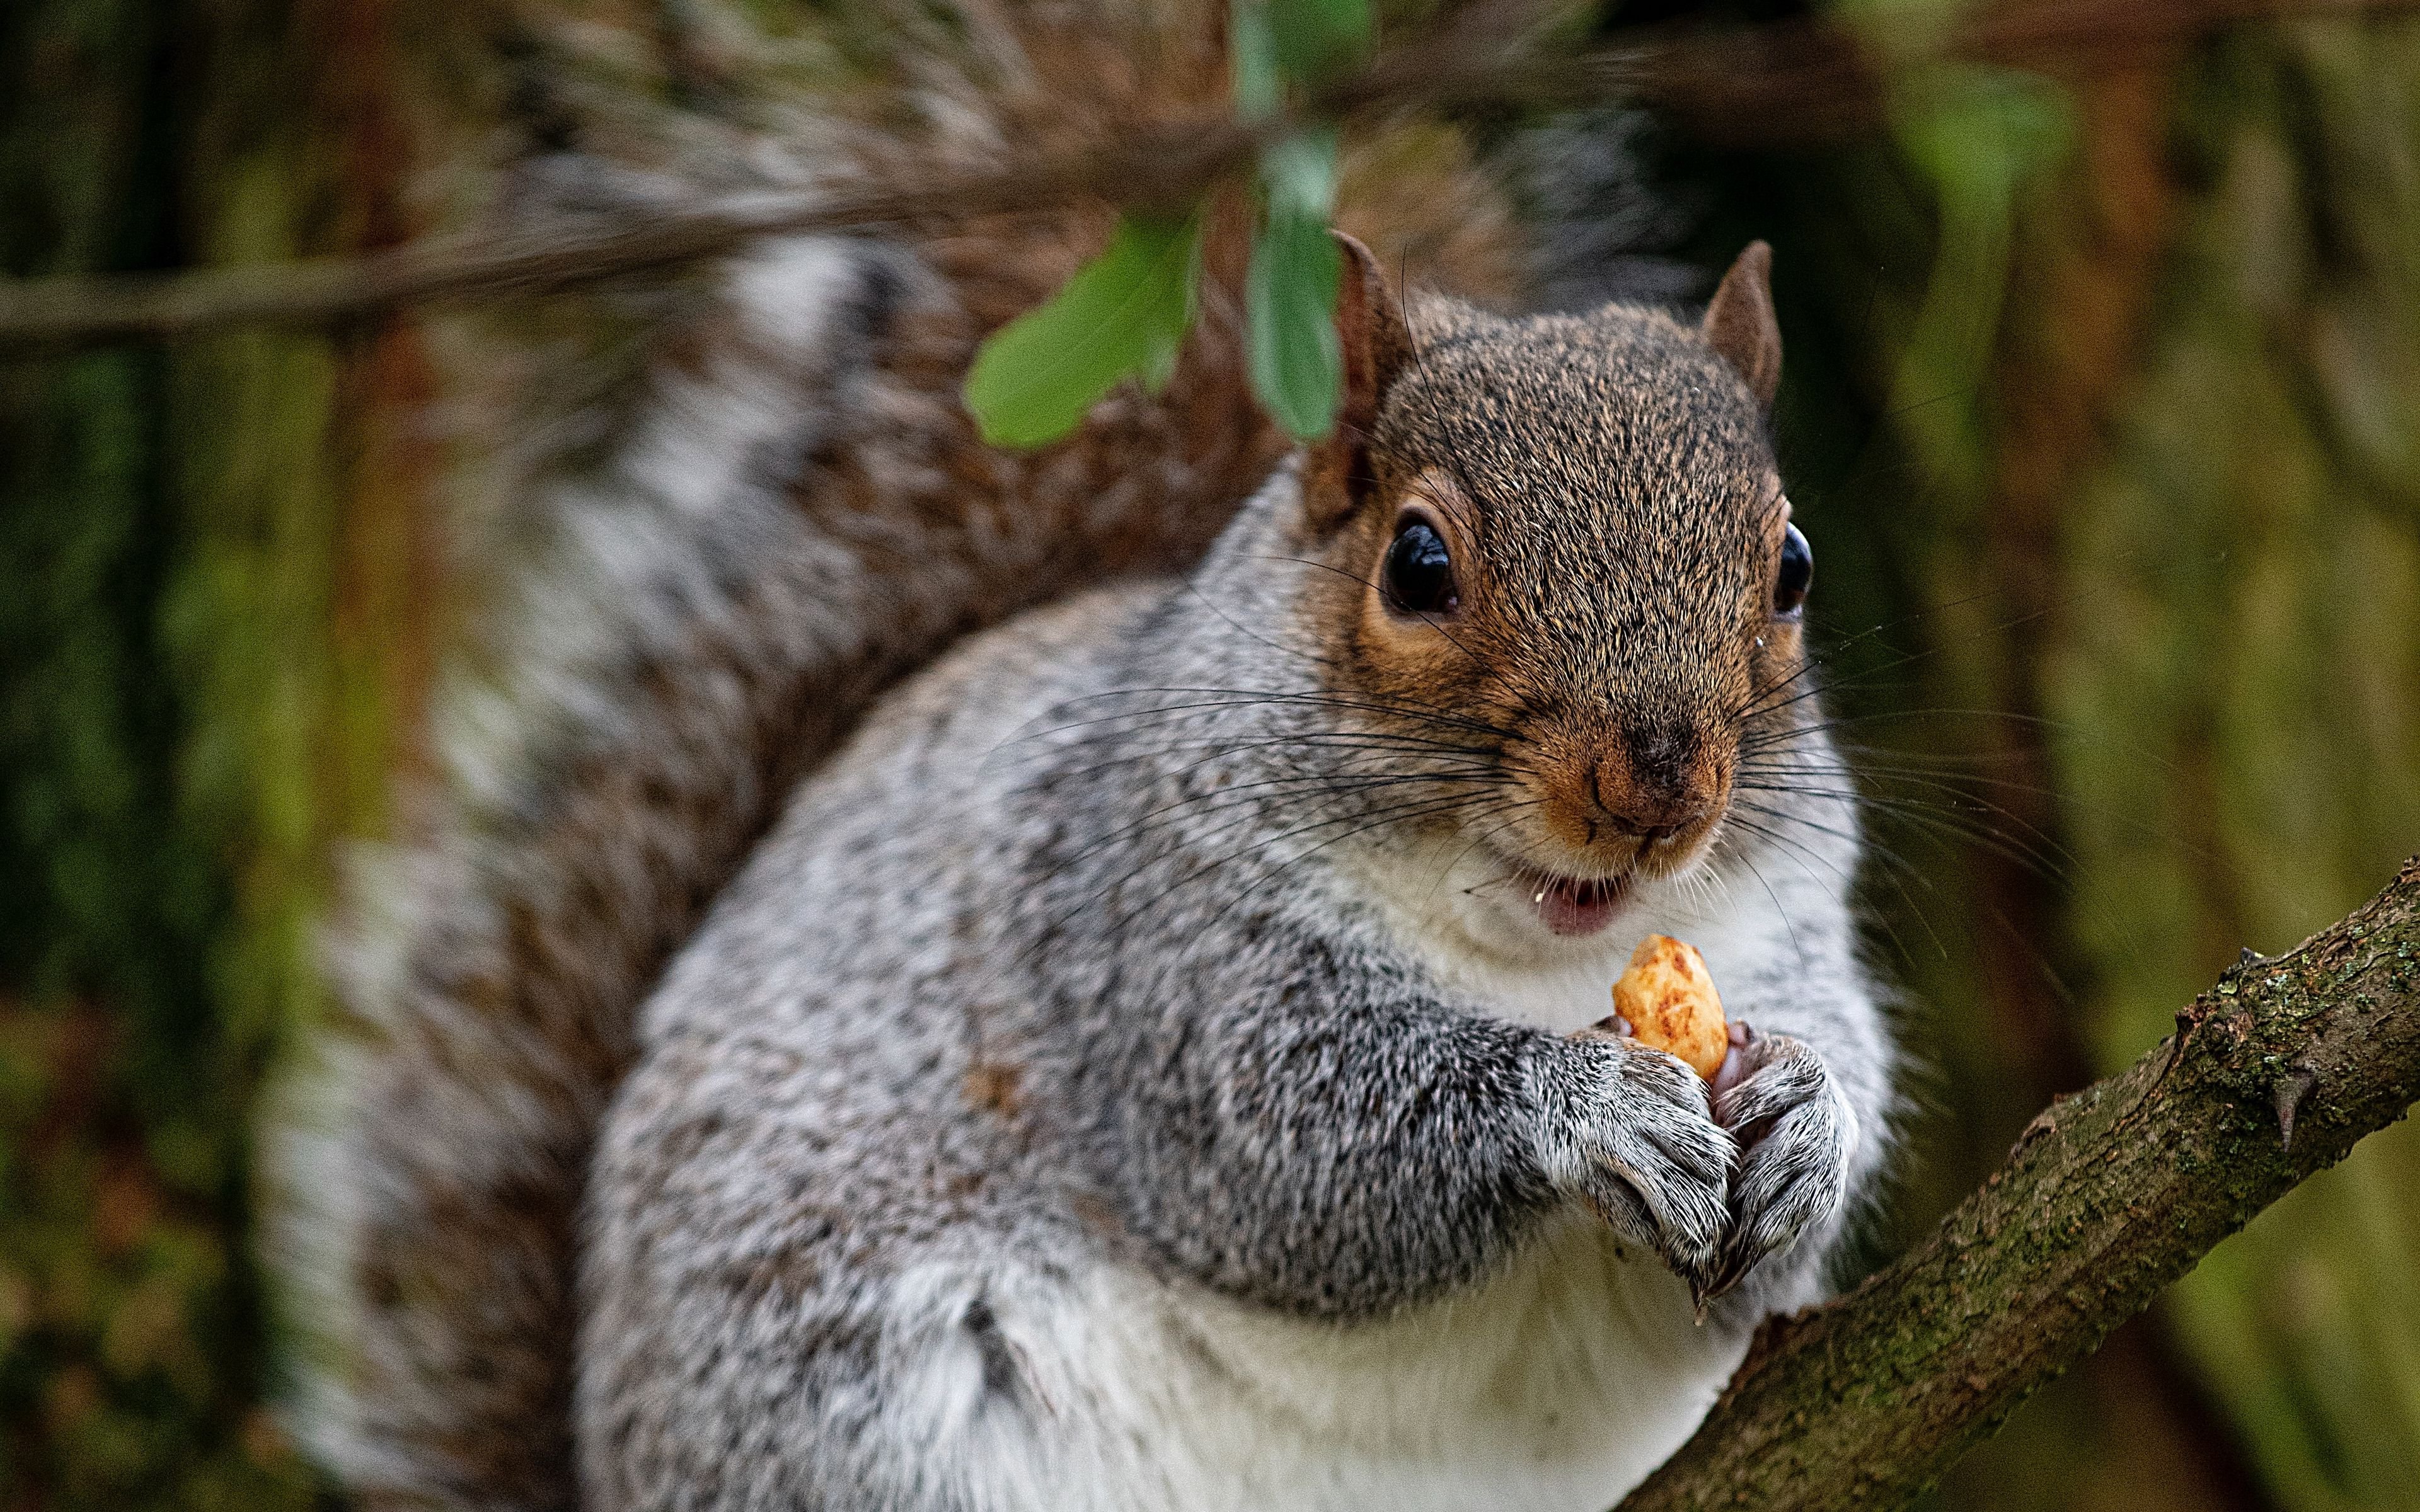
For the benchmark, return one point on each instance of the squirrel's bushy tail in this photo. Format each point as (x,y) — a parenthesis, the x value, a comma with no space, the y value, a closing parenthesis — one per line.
(790,513)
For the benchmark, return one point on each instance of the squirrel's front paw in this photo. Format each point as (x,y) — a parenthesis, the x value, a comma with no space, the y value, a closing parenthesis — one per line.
(1630,1131)
(1796,1136)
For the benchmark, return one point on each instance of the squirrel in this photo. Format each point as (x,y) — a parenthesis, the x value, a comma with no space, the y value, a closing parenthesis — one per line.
(1152,1064)
(888,1033)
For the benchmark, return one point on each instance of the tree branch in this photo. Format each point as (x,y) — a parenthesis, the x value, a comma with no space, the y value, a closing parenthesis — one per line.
(2109,1195)
(1783,82)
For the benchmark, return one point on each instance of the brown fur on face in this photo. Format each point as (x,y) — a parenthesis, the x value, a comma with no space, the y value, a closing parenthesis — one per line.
(1606,490)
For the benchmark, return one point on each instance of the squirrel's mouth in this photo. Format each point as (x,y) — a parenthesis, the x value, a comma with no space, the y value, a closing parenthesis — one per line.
(1574,906)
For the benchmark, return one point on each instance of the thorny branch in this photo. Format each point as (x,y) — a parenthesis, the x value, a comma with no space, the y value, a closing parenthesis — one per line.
(1792,82)
(2109,1194)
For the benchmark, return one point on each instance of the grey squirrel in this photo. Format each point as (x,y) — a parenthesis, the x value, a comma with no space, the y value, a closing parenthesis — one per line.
(1143,1065)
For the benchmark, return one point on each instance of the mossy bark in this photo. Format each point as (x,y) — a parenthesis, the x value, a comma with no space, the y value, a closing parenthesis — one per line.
(216,574)
(2109,1195)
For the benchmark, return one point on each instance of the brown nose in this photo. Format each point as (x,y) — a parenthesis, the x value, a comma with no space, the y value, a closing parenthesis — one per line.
(1657,781)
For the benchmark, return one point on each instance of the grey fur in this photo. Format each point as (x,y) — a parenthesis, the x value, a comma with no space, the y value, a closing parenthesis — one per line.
(731,530)
(1083,971)
(788,513)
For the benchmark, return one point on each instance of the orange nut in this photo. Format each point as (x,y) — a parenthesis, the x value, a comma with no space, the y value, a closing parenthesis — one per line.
(1668,997)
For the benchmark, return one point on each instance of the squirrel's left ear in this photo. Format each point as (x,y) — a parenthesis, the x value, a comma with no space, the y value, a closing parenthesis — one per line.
(1740,324)
(1377,347)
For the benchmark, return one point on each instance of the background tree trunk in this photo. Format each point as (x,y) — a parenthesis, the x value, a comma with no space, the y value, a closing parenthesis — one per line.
(2103,447)
(215,599)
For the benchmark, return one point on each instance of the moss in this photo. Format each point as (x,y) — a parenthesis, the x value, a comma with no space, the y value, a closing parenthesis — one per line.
(177,526)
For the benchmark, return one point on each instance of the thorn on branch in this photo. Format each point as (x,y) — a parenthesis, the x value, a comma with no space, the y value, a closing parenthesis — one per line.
(2044,1122)
(2189,1018)
(2291,1088)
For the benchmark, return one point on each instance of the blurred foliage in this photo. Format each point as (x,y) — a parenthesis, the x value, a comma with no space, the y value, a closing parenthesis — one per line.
(2250,683)
(198,628)
(2100,416)
(2100,411)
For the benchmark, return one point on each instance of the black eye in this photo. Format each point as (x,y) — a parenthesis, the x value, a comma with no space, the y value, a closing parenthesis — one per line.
(1797,571)
(1420,574)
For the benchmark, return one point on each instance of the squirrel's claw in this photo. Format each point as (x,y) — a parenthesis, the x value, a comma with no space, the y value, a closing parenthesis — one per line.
(1797,1136)
(1630,1131)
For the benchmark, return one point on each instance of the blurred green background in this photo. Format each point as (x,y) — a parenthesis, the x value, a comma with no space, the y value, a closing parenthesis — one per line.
(2103,410)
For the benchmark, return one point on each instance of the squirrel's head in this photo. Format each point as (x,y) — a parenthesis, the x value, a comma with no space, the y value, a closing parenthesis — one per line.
(1562,569)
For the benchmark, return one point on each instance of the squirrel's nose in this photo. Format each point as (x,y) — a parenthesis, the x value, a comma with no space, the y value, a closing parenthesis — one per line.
(1656,782)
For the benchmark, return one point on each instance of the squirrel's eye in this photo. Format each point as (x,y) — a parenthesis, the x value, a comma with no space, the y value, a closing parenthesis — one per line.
(1420,574)
(1797,571)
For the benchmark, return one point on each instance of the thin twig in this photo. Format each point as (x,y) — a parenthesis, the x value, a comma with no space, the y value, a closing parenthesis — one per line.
(1779,82)
(1171,163)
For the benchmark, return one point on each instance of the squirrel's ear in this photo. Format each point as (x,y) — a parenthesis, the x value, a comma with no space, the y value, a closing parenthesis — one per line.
(1377,347)
(1740,324)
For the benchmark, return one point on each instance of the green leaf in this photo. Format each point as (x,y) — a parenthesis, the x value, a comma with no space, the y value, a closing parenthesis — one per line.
(1298,174)
(1252,60)
(1980,133)
(1124,313)
(1290,290)
(1314,35)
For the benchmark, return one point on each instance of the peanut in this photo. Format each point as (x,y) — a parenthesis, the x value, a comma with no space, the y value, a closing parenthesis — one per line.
(1669,999)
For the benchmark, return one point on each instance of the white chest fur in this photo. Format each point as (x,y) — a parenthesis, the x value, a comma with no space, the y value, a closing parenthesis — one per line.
(1558,1385)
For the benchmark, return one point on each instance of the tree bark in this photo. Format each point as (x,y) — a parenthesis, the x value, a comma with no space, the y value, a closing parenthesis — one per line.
(2109,1194)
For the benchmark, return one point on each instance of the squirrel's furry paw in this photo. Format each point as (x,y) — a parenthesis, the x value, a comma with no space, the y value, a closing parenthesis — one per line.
(1796,1136)
(1630,1131)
